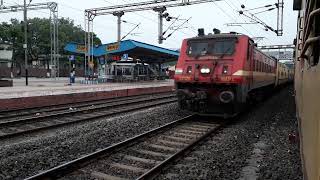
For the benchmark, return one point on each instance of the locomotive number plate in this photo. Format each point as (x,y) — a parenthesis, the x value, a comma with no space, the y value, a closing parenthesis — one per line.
(226,78)
(185,78)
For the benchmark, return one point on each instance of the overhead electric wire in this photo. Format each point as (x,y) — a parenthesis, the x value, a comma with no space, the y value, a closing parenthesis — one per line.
(256,19)
(164,32)
(152,20)
(234,7)
(177,28)
(239,2)
(81,12)
(232,18)
(266,6)
(236,10)
(264,11)
(130,31)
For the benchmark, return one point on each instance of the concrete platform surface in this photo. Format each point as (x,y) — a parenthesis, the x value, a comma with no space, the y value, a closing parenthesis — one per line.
(49,92)
(58,86)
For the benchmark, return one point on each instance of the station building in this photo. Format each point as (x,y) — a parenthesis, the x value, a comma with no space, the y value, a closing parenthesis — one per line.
(127,60)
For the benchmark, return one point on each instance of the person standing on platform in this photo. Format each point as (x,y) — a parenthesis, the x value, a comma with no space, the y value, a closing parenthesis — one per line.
(72,76)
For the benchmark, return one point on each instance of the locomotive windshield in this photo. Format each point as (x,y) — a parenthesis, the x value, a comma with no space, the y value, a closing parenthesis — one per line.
(211,47)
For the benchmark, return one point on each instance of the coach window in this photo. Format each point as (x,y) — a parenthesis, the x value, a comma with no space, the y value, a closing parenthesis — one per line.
(260,66)
(255,65)
(270,69)
(265,67)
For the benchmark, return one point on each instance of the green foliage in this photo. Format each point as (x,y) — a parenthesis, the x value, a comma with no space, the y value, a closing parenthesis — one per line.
(39,36)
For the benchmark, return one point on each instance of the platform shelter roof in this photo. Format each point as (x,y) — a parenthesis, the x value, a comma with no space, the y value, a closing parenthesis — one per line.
(135,49)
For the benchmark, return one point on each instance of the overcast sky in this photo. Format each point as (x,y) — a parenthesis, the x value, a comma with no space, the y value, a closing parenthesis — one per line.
(208,16)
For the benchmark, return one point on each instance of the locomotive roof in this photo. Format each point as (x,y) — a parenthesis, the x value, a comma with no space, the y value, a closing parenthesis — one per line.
(213,36)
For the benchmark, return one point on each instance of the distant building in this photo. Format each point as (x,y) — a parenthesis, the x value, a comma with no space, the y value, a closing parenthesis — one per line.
(281,55)
(6,53)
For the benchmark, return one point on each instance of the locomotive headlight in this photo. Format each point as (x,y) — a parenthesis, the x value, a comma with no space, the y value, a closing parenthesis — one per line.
(189,70)
(205,70)
(225,70)
(178,71)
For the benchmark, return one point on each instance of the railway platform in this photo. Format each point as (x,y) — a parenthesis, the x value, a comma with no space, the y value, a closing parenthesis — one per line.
(47,92)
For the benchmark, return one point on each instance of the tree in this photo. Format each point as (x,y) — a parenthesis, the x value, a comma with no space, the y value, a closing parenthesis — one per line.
(39,36)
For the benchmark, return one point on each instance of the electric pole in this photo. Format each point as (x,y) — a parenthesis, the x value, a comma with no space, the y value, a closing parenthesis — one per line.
(161,15)
(119,14)
(25,45)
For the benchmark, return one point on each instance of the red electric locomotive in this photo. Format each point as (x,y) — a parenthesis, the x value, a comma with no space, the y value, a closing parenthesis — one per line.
(217,74)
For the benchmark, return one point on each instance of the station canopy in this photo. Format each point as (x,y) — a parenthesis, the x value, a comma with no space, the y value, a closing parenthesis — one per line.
(138,50)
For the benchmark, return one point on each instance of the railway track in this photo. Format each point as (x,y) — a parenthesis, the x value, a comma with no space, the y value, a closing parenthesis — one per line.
(29,124)
(30,112)
(140,157)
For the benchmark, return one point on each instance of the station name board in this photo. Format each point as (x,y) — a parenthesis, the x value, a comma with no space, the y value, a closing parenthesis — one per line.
(81,49)
(112,47)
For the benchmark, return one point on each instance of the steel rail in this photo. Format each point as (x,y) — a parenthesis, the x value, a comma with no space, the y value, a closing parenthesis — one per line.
(99,115)
(72,167)
(90,108)
(157,169)
(26,112)
(63,169)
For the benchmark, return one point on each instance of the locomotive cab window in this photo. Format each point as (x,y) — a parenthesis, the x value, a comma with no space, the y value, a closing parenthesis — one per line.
(211,47)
